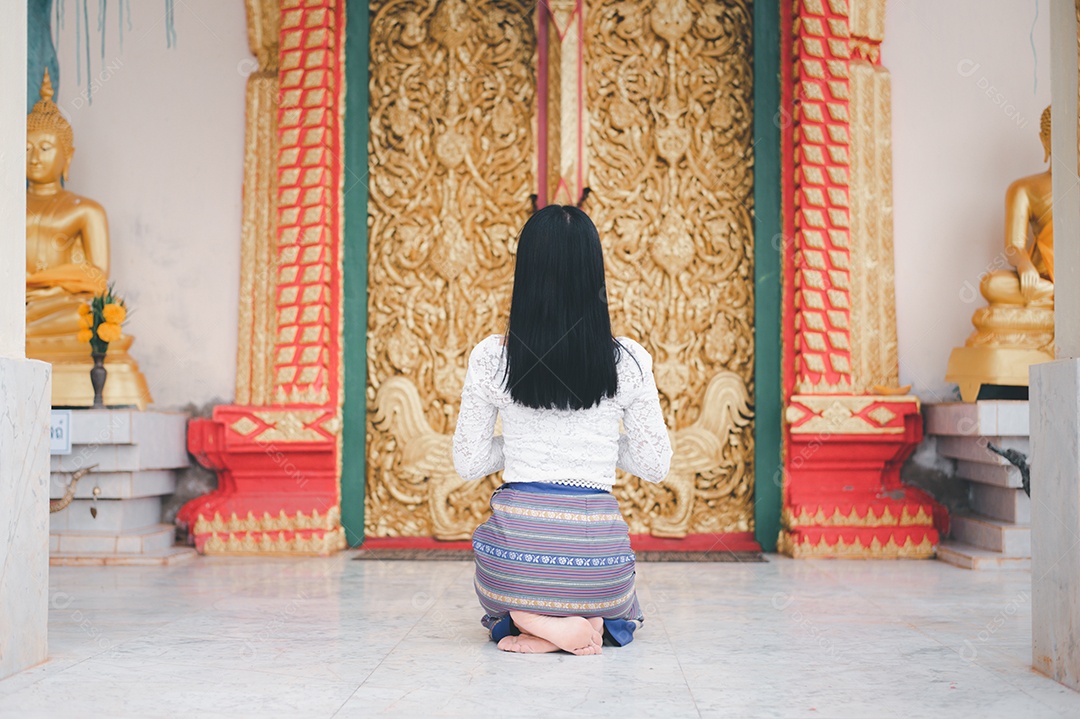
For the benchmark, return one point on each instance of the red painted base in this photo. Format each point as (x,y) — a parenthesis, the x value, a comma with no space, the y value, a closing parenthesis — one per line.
(730,542)
(276,494)
(844,498)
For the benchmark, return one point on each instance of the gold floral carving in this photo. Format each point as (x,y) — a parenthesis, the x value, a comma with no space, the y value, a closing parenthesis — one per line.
(670,162)
(452,152)
(258,230)
(876,549)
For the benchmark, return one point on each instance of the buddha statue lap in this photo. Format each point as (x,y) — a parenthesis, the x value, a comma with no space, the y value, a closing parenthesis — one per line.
(67,263)
(1016,329)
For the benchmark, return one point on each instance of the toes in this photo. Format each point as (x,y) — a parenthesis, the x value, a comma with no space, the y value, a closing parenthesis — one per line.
(592,649)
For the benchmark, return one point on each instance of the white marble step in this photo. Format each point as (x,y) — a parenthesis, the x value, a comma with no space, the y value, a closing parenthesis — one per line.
(998,475)
(987,417)
(126,426)
(113,515)
(1012,540)
(115,458)
(161,558)
(1004,503)
(121,440)
(147,540)
(974,449)
(117,485)
(964,555)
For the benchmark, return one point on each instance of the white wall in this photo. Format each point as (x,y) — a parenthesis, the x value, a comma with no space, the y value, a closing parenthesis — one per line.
(161,147)
(968,90)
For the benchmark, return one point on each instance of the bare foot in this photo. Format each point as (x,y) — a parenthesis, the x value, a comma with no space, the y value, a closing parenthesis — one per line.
(526,644)
(577,635)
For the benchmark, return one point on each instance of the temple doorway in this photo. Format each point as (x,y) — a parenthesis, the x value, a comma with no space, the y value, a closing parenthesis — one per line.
(479,109)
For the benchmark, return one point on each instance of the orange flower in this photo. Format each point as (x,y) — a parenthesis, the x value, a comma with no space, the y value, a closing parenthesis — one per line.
(85,335)
(108,332)
(114,313)
(86,321)
(84,310)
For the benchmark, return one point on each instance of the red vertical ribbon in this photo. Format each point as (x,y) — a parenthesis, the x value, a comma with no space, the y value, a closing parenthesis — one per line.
(542,19)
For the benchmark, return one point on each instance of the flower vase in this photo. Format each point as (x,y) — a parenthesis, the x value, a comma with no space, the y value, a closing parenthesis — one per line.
(97,378)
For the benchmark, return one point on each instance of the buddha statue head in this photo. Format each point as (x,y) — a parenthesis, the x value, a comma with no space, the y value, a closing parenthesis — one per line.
(1044,132)
(49,139)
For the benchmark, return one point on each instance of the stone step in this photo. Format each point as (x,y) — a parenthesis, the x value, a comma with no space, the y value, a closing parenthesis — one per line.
(115,458)
(126,426)
(998,475)
(1012,540)
(999,418)
(974,449)
(113,515)
(960,554)
(122,440)
(116,485)
(1004,503)
(148,540)
(161,558)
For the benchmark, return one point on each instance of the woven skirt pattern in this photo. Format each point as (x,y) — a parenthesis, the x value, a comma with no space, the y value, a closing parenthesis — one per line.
(553,553)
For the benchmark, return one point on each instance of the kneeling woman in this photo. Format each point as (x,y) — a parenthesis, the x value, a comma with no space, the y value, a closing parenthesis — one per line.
(554,568)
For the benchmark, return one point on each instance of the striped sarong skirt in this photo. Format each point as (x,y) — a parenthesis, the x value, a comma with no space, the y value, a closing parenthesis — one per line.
(555,550)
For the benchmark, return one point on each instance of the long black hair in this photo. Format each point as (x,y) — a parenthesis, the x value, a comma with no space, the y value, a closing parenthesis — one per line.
(559,347)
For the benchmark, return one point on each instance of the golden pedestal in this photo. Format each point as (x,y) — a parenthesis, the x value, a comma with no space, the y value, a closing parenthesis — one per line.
(125,385)
(1007,340)
(972,367)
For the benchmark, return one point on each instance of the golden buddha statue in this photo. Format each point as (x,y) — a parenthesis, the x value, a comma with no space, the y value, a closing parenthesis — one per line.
(67,263)
(1016,330)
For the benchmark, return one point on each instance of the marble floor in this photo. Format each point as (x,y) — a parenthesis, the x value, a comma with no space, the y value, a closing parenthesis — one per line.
(340,638)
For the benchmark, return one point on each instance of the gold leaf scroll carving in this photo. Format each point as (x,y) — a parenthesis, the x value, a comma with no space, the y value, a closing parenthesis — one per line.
(258,328)
(669,92)
(452,150)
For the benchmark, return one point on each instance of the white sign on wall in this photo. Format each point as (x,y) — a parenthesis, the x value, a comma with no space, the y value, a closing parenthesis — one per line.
(60,432)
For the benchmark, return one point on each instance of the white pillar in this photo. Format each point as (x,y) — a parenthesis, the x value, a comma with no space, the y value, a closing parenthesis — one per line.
(1055,392)
(1063,93)
(24,387)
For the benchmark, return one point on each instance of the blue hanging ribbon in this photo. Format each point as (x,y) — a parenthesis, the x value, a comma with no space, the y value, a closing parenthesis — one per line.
(170,24)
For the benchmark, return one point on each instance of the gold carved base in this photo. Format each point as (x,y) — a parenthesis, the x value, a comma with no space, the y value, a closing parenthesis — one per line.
(874,548)
(300,534)
(71,365)
(972,367)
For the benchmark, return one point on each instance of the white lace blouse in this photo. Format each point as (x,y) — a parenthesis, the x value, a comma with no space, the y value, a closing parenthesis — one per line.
(578,447)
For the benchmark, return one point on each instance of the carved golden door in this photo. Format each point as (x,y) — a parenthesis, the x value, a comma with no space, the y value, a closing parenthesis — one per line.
(650,107)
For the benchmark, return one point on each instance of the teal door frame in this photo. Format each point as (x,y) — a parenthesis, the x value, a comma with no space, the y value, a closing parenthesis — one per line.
(767,228)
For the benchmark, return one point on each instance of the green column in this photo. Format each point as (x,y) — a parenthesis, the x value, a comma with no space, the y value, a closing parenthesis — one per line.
(355,280)
(768,228)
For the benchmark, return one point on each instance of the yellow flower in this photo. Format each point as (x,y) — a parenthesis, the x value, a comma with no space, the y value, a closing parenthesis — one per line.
(108,332)
(85,335)
(86,321)
(84,310)
(114,313)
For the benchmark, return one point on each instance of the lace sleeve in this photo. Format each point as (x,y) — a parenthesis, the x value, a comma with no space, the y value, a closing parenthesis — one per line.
(477,451)
(645,447)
